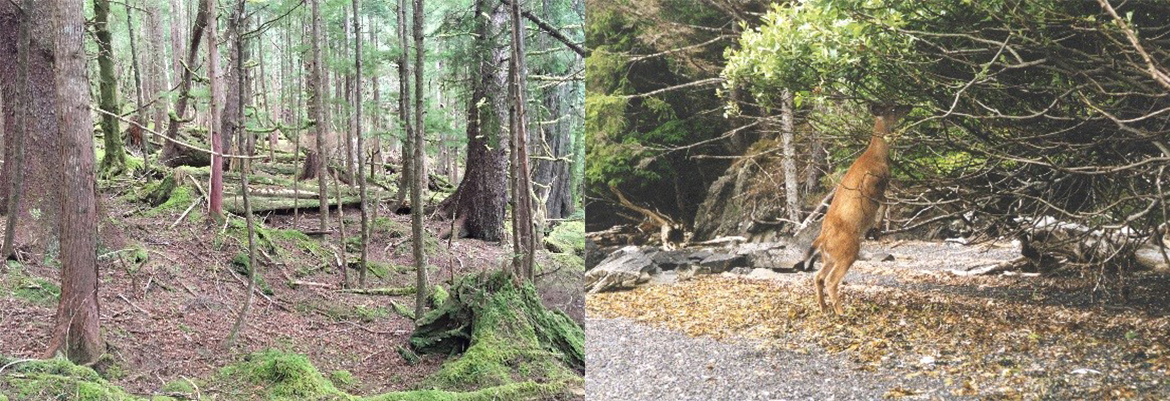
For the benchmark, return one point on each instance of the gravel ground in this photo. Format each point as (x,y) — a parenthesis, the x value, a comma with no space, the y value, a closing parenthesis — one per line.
(624,366)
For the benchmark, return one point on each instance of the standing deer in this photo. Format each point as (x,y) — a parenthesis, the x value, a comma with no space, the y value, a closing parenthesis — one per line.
(854,209)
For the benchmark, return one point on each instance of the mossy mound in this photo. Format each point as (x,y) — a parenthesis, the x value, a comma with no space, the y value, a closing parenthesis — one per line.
(276,375)
(567,237)
(28,287)
(56,379)
(505,334)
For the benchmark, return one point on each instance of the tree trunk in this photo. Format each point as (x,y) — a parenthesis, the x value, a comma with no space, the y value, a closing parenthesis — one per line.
(114,163)
(215,197)
(317,110)
(552,172)
(787,132)
(478,203)
(232,122)
(140,115)
(361,170)
(245,164)
(405,179)
(160,80)
(76,334)
(173,154)
(420,172)
(37,180)
(16,133)
(524,233)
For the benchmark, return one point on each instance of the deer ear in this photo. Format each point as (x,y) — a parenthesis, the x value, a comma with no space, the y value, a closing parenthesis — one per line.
(875,109)
(904,109)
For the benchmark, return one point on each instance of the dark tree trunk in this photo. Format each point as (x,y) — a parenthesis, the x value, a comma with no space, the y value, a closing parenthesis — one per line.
(76,333)
(554,177)
(317,111)
(404,179)
(522,208)
(231,123)
(173,154)
(38,181)
(16,133)
(114,163)
(478,203)
(420,172)
(361,170)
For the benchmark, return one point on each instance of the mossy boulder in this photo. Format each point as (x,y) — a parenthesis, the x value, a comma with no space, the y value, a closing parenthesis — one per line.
(503,333)
(56,379)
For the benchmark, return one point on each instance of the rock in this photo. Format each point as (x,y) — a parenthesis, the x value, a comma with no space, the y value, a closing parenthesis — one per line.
(719,263)
(743,271)
(701,254)
(671,260)
(593,254)
(776,258)
(763,274)
(883,257)
(624,269)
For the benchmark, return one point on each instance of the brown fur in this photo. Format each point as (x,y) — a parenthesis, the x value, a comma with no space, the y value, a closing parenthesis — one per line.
(854,208)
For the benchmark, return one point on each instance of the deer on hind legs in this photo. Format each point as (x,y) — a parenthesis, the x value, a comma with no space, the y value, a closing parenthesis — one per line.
(854,209)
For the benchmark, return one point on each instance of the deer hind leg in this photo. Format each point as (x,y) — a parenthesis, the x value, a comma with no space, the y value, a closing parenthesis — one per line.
(819,280)
(834,281)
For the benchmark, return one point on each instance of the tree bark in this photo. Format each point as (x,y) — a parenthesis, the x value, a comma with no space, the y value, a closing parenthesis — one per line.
(361,170)
(405,179)
(173,154)
(114,162)
(15,133)
(232,122)
(159,77)
(317,110)
(787,132)
(479,202)
(140,115)
(215,197)
(37,181)
(420,172)
(524,233)
(245,164)
(76,334)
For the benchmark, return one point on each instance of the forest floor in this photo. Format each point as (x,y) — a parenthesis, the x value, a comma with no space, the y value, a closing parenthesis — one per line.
(912,330)
(169,296)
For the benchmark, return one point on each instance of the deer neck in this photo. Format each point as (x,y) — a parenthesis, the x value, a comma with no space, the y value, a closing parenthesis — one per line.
(879,145)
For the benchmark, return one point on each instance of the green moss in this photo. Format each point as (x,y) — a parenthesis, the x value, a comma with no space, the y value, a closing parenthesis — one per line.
(276,375)
(394,229)
(177,200)
(566,262)
(342,378)
(516,391)
(36,290)
(402,310)
(439,296)
(508,336)
(57,379)
(241,264)
(178,386)
(567,237)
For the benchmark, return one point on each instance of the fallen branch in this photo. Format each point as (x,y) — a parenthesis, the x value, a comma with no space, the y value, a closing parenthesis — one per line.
(388,291)
(144,312)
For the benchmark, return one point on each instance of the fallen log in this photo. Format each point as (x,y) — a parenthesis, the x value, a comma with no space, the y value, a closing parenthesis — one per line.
(1050,240)
(388,291)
